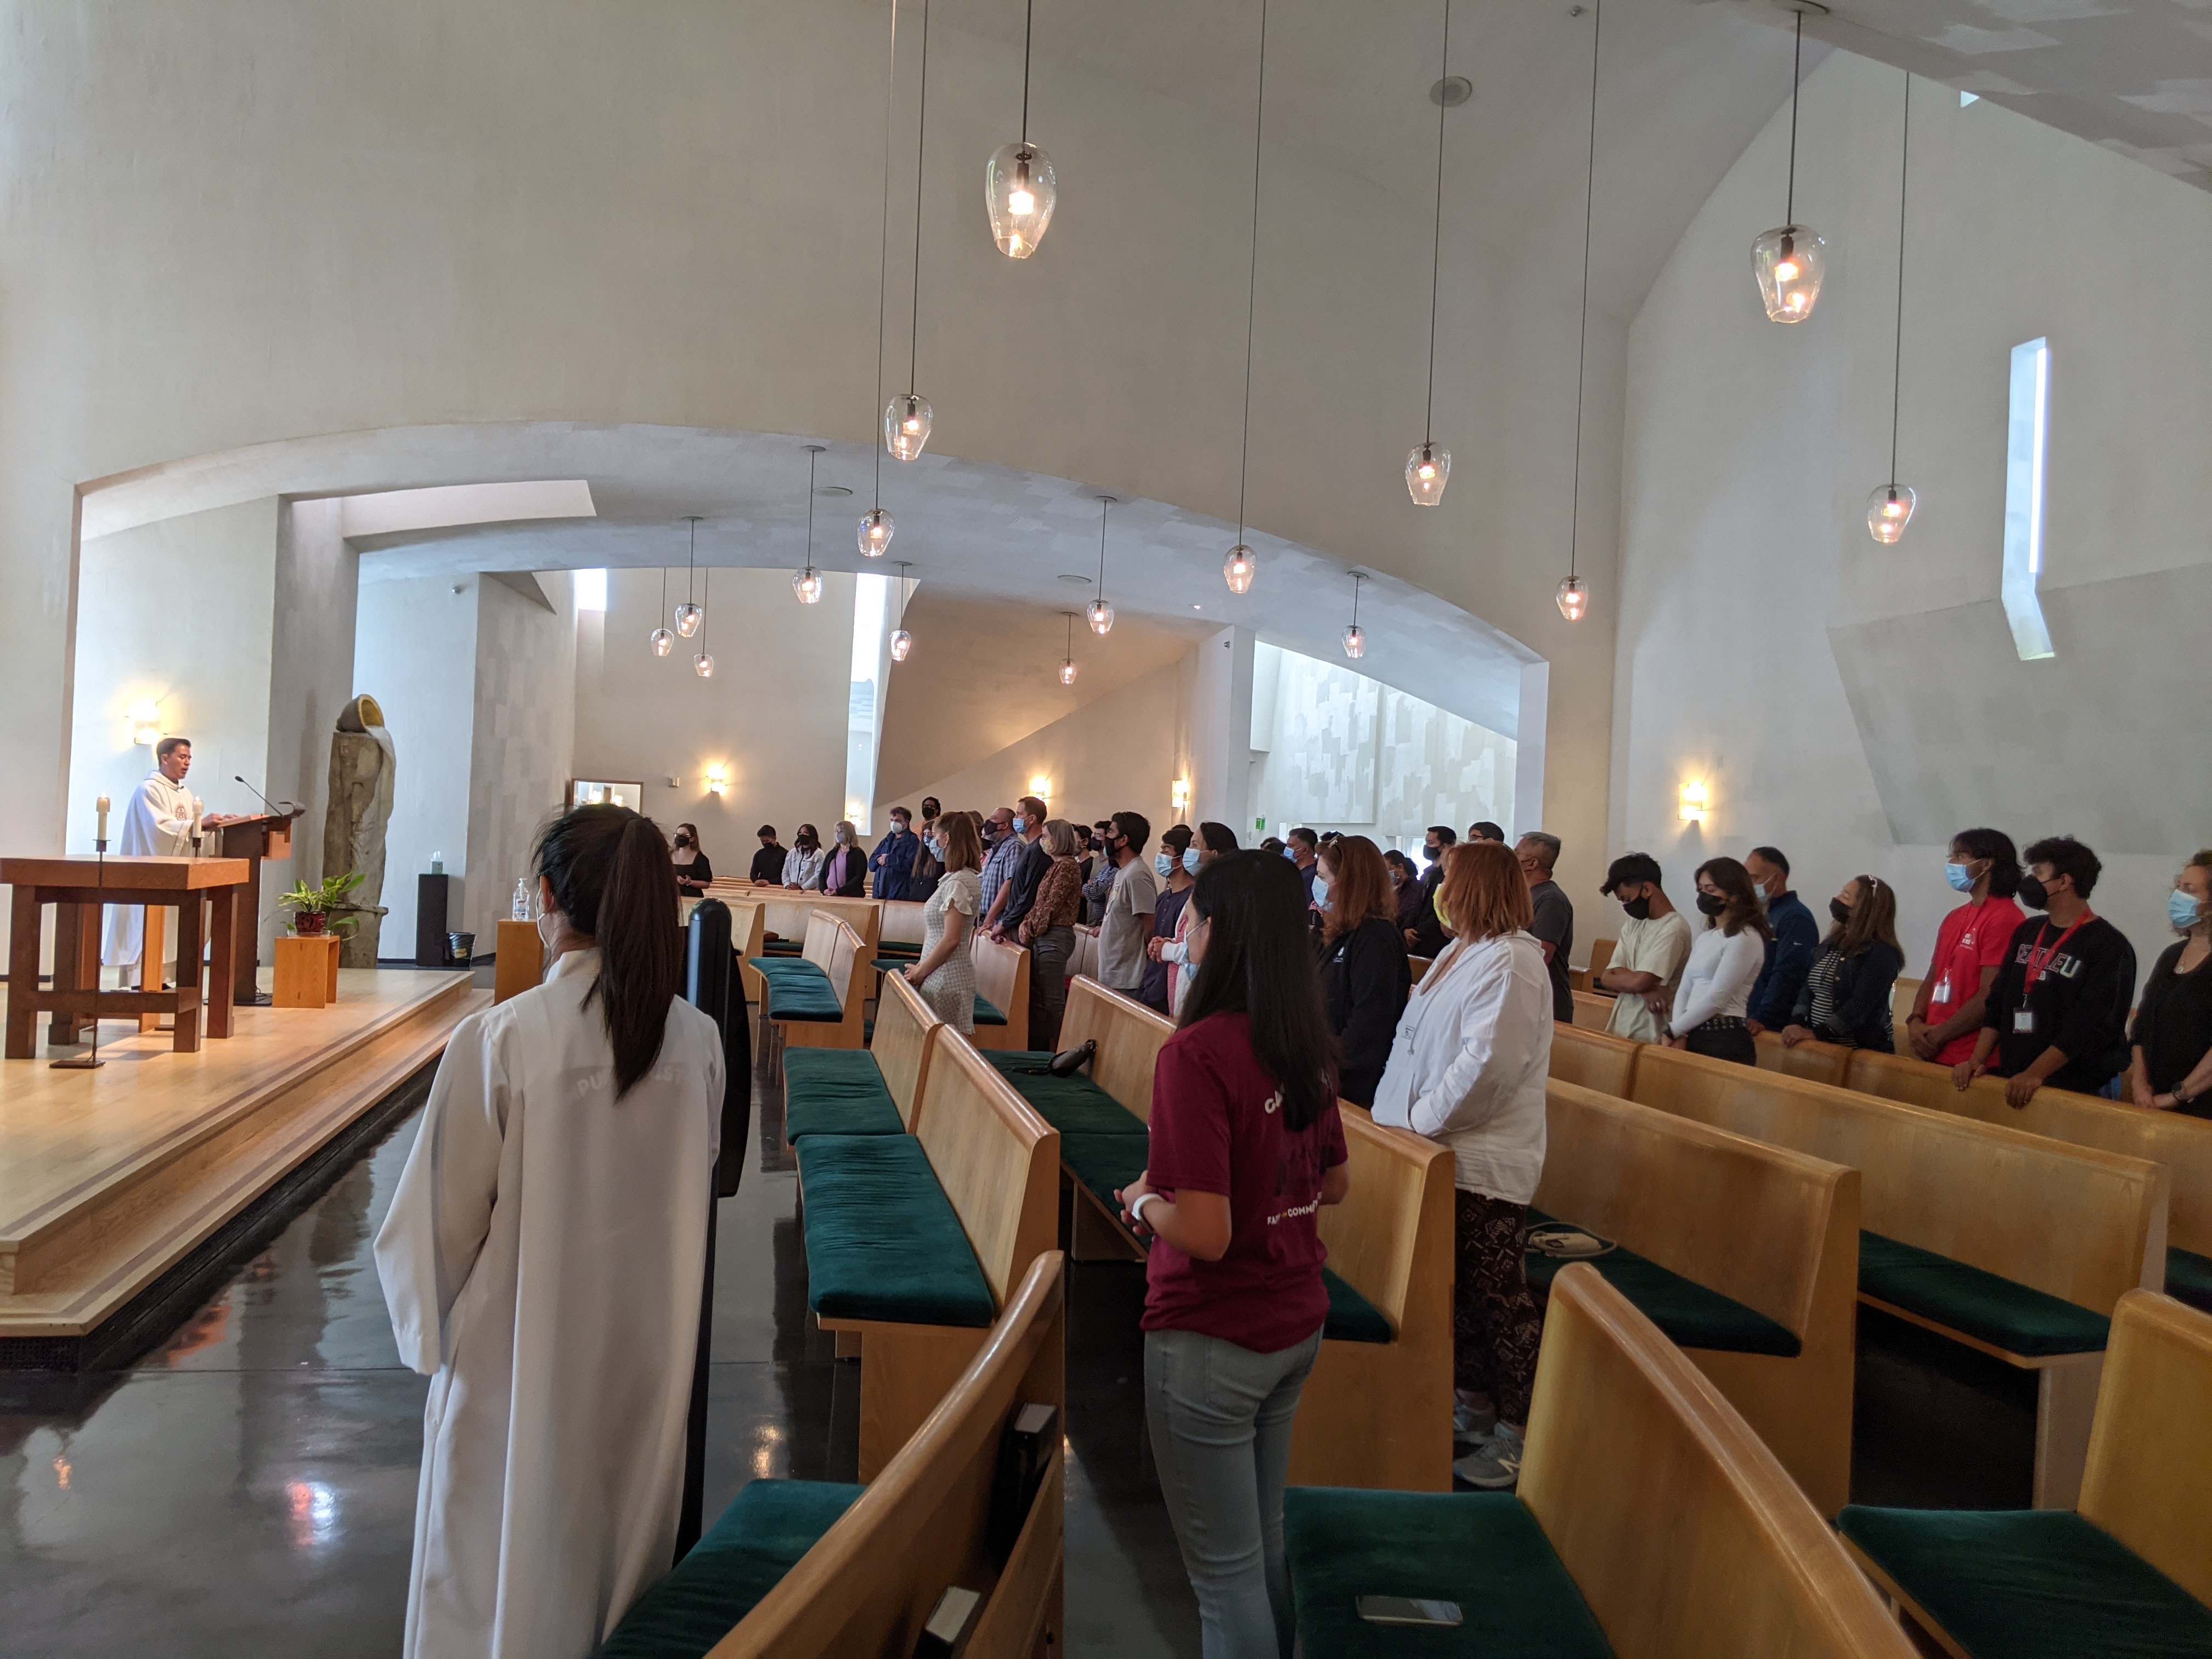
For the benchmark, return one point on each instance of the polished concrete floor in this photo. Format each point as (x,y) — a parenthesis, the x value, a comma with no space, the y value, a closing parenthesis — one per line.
(248,1486)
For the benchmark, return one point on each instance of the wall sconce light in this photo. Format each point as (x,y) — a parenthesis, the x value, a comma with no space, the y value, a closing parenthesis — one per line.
(146,724)
(718,778)
(1179,794)
(1693,802)
(1042,788)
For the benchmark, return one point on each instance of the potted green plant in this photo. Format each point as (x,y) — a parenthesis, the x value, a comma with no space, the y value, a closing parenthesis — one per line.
(311,907)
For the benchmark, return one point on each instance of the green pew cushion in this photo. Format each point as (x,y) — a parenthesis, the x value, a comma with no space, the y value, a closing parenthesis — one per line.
(1073,1105)
(740,1559)
(883,1241)
(2031,1583)
(1352,1316)
(836,1091)
(1481,1550)
(909,948)
(2189,1277)
(2005,1315)
(986,1012)
(798,990)
(783,947)
(1688,1314)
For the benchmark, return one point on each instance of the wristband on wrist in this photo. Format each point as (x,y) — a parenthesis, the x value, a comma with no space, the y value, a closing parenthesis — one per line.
(1136,1210)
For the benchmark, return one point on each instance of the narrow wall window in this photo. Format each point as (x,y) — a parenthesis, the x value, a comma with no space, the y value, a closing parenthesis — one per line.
(2026,450)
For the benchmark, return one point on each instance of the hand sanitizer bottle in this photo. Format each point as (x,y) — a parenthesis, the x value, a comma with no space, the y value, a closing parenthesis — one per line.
(521,898)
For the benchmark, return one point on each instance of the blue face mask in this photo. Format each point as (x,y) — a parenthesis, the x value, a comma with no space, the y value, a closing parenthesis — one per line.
(2181,909)
(1961,877)
(1190,860)
(1320,892)
(1164,864)
(1021,825)
(1760,887)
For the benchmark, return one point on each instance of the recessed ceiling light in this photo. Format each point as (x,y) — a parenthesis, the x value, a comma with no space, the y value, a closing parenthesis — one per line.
(1197,607)
(833,490)
(1075,582)
(1452,91)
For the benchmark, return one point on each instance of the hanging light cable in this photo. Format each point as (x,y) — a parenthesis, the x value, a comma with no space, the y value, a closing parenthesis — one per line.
(1019,186)
(1573,597)
(662,640)
(1889,509)
(688,615)
(1068,662)
(1098,613)
(1239,564)
(1428,468)
(703,663)
(808,583)
(876,526)
(907,418)
(903,641)
(1355,642)
(1790,260)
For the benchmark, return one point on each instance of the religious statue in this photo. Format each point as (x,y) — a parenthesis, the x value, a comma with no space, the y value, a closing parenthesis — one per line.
(363,763)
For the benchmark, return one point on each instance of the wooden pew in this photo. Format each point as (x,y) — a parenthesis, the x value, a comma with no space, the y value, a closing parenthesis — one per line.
(1601,957)
(2182,1144)
(828,1090)
(998,1164)
(1651,1521)
(901,922)
(748,935)
(1002,979)
(786,913)
(1594,1059)
(1813,1061)
(2132,1563)
(1771,1229)
(868,1582)
(2078,1225)
(1593,1011)
(1085,962)
(841,954)
(1902,995)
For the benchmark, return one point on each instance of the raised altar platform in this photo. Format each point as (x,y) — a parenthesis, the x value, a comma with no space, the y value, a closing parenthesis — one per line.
(115,1182)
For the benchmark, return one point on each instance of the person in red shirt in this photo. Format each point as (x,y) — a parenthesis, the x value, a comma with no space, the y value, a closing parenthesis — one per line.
(1970,948)
(1246,1147)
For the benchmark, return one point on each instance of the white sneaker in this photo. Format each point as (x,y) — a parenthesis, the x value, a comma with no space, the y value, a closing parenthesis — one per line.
(1495,1463)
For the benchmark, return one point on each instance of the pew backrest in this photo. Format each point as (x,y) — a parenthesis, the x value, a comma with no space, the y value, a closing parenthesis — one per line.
(1680,1528)
(1130,1037)
(788,914)
(871,1581)
(1814,1062)
(1390,1239)
(998,1161)
(1594,1059)
(838,952)
(1753,1221)
(1601,956)
(907,1030)
(1086,959)
(748,932)
(2074,1222)
(2182,1144)
(1592,1012)
(901,922)
(2148,1481)
(1002,978)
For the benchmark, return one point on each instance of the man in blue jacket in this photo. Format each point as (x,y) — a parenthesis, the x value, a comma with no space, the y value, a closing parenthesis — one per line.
(893,861)
(1789,953)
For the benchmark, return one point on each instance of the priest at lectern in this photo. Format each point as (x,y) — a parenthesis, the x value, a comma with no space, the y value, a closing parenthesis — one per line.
(157,824)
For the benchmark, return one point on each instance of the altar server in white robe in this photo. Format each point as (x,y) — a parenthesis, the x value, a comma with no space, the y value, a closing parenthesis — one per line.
(157,824)
(542,1261)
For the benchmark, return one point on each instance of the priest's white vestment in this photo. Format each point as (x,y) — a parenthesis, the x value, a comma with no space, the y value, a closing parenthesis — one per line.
(157,824)
(543,1261)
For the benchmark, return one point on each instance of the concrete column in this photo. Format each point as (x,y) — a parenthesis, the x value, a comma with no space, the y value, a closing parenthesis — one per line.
(1221,732)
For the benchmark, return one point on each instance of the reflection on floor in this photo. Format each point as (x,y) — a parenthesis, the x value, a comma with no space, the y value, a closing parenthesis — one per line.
(248,1487)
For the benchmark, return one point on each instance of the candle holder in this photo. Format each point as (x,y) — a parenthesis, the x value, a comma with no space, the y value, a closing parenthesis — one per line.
(92,1061)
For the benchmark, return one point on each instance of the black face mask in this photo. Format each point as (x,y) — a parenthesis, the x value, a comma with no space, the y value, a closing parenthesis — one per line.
(1639,909)
(2033,894)
(1711,904)
(684,840)
(1433,853)
(1839,911)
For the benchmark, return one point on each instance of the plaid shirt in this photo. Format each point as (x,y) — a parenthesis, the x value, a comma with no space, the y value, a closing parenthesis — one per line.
(998,869)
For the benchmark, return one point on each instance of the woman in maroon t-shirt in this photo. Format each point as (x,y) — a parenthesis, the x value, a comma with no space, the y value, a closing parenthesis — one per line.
(1246,1147)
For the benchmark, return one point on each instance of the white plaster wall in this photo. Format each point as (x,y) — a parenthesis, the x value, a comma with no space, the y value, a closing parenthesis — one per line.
(178,611)
(523,742)
(310,678)
(774,712)
(1752,449)
(415,652)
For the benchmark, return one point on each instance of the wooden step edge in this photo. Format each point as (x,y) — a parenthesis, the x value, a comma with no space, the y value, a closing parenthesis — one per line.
(20,1232)
(122,1260)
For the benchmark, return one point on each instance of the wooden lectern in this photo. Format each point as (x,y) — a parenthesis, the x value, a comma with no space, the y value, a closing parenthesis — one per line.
(268,836)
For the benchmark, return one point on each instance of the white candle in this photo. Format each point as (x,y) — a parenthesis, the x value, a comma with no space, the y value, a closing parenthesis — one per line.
(103,817)
(196,810)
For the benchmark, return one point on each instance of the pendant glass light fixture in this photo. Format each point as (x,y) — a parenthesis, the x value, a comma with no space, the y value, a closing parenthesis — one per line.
(1355,642)
(1019,186)
(1428,468)
(662,640)
(1098,613)
(1068,662)
(907,418)
(1573,597)
(1240,564)
(808,583)
(688,615)
(702,664)
(1889,509)
(876,526)
(903,641)
(1790,260)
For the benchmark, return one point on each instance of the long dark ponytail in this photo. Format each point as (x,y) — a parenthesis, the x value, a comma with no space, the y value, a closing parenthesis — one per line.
(1259,964)
(612,879)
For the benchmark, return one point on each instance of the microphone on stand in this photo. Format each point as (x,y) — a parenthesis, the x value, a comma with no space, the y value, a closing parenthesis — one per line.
(265,801)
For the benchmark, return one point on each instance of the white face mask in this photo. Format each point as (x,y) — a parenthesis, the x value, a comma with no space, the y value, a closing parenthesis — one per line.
(550,923)
(1321,891)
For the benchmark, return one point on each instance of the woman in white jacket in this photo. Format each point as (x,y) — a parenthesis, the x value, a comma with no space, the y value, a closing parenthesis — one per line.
(1725,959)
(1468,1068)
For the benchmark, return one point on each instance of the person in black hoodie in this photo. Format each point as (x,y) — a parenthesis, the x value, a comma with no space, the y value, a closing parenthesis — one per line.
(1365,974)
(1845,999)
(2058,1012)
(1425,935)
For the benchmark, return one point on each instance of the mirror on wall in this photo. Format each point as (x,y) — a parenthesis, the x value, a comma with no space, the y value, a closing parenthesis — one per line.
(585,792)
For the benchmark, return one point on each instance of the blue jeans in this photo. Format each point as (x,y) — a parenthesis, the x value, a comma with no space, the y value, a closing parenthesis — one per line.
(1220,1420)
